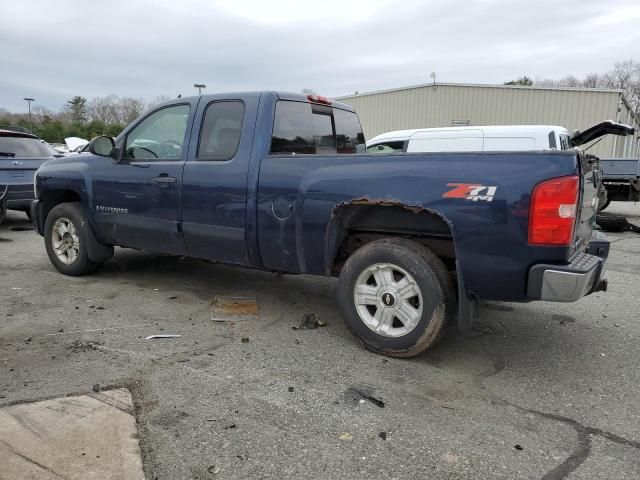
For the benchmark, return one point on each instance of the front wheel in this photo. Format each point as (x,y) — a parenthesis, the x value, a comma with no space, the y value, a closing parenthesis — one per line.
(65,237)
(396,296)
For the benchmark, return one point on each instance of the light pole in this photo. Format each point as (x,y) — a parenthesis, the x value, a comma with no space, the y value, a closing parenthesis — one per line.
(199,86)
(29,100)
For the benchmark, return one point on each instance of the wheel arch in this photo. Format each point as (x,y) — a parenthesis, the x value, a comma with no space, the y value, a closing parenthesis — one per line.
(363,220)
(50,198)
(359,221)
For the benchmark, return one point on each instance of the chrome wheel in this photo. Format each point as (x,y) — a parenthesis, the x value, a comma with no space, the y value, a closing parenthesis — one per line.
(388,300)
(65,241)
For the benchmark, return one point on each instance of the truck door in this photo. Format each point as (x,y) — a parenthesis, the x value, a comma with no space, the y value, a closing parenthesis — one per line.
(137,200)
(214,184)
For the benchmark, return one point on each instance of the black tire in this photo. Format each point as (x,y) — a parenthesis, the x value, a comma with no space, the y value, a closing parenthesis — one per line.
(602,205)
(72,212)
(431,277)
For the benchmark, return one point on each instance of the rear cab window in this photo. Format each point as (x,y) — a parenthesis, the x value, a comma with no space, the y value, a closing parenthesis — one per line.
(309,128)
(14,146)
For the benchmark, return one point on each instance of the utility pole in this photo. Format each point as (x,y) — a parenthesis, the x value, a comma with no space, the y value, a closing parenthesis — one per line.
(29,100)
(199,86)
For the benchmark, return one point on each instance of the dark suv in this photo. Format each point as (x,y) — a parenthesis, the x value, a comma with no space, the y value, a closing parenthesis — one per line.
(20,156)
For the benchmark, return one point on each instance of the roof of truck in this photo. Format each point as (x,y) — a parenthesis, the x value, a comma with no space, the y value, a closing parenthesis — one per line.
(282,95)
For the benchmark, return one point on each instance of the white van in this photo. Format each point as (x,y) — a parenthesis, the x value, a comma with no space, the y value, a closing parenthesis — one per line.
(495,138)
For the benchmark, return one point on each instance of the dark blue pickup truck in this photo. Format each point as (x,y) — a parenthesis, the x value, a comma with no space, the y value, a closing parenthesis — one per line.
(281,182)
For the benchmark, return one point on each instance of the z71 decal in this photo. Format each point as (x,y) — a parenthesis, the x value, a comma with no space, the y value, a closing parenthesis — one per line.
(471,191)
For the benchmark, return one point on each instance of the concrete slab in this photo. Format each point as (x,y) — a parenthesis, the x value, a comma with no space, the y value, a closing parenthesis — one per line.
(88,436)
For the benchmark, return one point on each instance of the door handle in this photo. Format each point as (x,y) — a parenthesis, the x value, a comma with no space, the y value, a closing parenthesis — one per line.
(164,178)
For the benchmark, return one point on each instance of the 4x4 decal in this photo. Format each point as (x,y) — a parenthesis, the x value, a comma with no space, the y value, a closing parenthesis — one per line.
(471,191)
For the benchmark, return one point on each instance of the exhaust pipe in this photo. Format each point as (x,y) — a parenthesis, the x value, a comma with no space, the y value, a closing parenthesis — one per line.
(602,286)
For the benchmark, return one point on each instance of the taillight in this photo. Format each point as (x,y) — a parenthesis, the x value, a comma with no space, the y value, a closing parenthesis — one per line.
(552,215)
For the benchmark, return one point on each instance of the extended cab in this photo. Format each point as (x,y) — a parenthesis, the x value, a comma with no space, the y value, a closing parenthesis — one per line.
(281,182)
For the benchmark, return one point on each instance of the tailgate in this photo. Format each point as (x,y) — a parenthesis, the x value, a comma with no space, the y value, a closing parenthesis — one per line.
(14,171)
(590,184)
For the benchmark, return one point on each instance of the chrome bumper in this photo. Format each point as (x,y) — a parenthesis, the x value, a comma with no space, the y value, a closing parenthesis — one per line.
(571,282)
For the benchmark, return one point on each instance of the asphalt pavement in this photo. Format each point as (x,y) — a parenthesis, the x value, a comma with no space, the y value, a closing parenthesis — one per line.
(539,391)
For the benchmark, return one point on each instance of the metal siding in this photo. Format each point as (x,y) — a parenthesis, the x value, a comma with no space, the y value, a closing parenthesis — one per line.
(437,106)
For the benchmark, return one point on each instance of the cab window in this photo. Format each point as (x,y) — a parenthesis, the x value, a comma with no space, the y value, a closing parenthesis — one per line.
(221,130)
(160,136)
(305,128)
(565,142)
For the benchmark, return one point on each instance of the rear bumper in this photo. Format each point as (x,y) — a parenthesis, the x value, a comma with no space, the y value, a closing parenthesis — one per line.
(19,197)
(571,282)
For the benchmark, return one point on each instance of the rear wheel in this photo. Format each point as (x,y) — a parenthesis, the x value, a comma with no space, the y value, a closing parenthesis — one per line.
(65,236)
(396,296)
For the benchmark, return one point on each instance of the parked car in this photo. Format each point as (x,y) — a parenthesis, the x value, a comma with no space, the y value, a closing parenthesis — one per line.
(621,180)
(75,144)
(20,156)
(494,138)
(52,150)
(274,181)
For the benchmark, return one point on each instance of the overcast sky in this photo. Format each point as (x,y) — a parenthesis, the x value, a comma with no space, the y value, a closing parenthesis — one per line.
(54,49)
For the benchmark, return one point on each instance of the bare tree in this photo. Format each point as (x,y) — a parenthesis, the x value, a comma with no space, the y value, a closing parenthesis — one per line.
(625,72)
(104,109)
(129,109)
(158,100)
(592,80)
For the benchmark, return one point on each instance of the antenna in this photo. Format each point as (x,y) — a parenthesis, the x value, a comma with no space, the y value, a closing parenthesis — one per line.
(433,75)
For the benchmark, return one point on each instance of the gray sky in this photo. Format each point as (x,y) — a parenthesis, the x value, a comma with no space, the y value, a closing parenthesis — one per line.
(52,50)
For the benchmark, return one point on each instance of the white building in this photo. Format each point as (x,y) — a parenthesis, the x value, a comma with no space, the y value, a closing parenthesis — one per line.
(452,104)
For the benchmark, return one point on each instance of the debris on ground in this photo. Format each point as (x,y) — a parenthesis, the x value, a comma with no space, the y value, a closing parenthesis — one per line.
(310,321)
(213,469)
(232,309)
(517,446)
(229,427)
(345,437)
(290,389)
(244,339)
(383,435)
(96,387)
(362,395)
(153,337)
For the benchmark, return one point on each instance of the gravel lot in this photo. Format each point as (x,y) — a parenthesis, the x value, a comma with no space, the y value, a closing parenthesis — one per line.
(540,390)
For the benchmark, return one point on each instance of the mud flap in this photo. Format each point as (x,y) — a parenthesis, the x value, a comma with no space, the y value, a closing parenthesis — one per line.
(466,305)
(97,252)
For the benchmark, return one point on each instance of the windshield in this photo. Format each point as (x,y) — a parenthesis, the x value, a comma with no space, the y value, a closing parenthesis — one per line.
(22,147)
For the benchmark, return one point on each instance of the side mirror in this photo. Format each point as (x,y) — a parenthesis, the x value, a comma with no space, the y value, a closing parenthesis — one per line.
(102,146)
